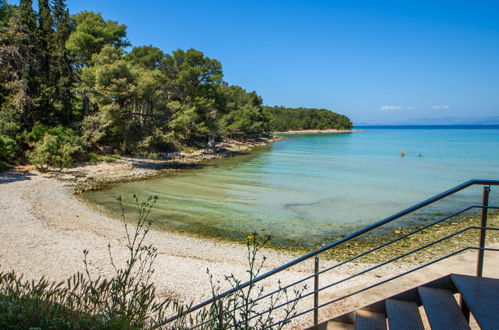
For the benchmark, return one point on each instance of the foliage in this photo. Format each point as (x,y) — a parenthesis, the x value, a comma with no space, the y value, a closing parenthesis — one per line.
(92,33)
(55,148)
(92,157)
(148,57)
(245,308)
(284,119)
(242,113)
(8,149)
(111,158)
(75,72)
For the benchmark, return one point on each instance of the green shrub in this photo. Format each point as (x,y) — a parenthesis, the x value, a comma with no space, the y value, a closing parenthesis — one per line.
(111,158)
(242,309)
(41,304)
(93,157)
(55,149)
(8,150)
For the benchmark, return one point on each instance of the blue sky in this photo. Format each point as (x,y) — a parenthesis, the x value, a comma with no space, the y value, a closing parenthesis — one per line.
(375,61)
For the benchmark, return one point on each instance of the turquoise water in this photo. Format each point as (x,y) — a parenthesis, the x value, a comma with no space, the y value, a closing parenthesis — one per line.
(308,189)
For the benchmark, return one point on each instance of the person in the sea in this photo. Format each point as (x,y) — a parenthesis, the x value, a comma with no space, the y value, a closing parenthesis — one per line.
(420,155)
(402,154)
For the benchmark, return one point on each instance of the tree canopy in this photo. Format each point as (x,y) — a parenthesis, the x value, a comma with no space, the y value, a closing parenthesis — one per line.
(78,77)
(286,119)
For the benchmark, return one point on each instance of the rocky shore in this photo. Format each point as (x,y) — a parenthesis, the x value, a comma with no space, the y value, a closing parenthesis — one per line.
(467,238)
(88,176)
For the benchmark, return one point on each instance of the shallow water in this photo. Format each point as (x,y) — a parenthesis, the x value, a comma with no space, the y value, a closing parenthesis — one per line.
(308,189)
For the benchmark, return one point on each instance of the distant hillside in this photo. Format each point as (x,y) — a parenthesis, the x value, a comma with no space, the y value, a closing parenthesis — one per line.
(285,119)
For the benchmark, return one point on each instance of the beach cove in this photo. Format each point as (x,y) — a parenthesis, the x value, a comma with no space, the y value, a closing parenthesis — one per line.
(310,189)
(41,217)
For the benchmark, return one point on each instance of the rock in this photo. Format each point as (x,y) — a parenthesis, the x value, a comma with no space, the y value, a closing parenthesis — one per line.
(171,155)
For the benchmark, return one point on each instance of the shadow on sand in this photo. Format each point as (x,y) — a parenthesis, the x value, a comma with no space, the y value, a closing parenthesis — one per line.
(13,176)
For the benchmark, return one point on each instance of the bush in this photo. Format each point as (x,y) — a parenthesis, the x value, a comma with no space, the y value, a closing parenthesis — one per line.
(92,157)
(8,150)
(40,304)
(241,309)
(56,148)
(111,158)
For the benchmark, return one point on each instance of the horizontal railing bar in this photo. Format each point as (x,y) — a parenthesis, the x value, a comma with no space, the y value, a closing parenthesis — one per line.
(361,255)
(387,280)
(372,250)
(377,266)
(368,269)
(340,241)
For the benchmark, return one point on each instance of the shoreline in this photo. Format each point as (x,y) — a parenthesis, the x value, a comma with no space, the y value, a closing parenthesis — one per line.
(88,177)
(95,176)
(45,226)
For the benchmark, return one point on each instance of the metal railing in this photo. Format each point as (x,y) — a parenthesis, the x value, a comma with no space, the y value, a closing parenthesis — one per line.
(315,276)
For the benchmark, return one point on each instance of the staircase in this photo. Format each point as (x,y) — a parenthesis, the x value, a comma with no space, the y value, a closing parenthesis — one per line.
(479,295)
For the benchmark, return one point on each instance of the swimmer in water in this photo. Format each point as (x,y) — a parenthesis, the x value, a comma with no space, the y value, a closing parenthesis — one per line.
(402,154)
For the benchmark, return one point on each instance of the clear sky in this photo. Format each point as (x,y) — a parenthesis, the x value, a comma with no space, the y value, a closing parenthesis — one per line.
(375,61)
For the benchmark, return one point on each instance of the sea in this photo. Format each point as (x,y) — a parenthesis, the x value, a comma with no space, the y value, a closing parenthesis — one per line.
(309,189)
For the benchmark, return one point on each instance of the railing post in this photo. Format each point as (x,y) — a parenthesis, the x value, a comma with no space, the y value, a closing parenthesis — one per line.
(220,315)
(316,292)
(483,231)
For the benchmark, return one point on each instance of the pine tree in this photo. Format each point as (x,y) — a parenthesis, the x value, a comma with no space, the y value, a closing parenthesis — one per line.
(19,65)
(44,36)
(62,72)
(27,16)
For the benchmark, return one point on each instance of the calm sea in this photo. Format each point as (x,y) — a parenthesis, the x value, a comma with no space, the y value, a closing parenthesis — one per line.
(308,189)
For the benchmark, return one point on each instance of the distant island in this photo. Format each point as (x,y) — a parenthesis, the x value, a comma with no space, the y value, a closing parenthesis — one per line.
(73,88)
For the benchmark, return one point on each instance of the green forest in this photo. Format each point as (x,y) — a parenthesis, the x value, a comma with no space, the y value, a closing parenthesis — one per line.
(73,87)
(285,119)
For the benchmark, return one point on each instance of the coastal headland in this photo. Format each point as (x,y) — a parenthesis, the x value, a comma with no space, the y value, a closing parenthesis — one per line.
(319,131)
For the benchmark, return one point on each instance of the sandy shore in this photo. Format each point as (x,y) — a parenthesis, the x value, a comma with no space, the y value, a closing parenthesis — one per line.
(44,228)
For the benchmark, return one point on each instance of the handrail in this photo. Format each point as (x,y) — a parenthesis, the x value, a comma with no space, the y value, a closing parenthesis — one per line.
(373,250)
(340,241)
(377,266)
(390,279)
(366,253)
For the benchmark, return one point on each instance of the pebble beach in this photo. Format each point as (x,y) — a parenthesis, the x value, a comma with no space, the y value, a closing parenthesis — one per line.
(45,227)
